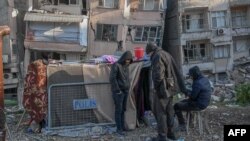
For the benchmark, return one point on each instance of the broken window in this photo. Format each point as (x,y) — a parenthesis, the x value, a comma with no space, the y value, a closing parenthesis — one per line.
(106,32)
(64,2)
(239,17)
(193,22)
(197,51)
(146,34)
(222,51)
(218,19)
(241,45)
(109,3)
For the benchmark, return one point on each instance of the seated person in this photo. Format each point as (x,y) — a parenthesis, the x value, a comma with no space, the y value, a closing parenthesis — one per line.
(198,99)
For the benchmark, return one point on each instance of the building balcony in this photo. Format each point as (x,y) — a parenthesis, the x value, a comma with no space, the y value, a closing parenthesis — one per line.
(233,3)
(189,4)
(240,31)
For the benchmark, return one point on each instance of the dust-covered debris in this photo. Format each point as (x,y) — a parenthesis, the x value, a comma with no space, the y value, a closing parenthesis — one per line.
(218,116)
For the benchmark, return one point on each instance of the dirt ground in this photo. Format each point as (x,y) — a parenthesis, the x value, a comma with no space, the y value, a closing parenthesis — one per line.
(217,117)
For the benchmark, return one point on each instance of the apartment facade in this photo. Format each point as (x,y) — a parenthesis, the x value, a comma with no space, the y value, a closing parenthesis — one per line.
(130,23)
(58,27)
(211,34)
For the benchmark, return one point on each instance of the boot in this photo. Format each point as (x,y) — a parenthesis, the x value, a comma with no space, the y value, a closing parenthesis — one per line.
(159,138)
(172,136)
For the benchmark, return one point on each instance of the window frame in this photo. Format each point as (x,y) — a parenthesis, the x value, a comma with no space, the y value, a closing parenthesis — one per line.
(77,2)
(242,15)
(217,17)
(247,43)
(162,5)
(196,48)
(140,39)
(112,26)
(114,6)
(144,3)
(225,47)
(188,22)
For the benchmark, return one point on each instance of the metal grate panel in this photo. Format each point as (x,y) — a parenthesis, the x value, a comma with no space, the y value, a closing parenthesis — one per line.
(61,96)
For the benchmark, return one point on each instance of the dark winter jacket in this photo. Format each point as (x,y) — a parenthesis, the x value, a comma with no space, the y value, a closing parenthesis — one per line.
(166,76)
(201,88)
(119,75)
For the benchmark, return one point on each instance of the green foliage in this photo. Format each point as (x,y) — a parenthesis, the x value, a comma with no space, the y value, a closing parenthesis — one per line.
(243,94)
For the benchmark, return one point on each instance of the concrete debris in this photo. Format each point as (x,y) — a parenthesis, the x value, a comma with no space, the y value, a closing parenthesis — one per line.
(88,131)
(224,84)
(215,98)
(212,107)
(225,114)
(232,105)
(10,118)
(216,137)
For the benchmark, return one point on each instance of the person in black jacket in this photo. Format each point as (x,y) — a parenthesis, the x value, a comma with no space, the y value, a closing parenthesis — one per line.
(119,79)
(198,98)
(167,81)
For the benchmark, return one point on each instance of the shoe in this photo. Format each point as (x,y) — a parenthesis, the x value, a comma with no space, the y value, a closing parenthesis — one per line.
(120,133)
(172,136)
(159,138)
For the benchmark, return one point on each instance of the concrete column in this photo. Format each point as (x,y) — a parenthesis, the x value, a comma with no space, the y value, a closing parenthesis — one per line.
(26,61)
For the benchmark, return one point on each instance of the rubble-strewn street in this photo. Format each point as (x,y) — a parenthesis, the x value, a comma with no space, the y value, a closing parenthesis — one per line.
(76,70)
(217,117)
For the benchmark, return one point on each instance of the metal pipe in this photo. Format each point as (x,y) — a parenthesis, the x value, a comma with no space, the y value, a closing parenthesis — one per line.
(4,30)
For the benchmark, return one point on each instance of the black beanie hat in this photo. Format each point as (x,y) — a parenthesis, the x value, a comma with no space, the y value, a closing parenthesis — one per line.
(150,47)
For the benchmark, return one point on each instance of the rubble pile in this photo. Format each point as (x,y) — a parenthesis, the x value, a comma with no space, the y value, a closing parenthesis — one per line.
(224,90)
(241,71)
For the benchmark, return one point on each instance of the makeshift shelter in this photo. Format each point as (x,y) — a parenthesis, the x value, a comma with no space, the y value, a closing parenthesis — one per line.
(80,93)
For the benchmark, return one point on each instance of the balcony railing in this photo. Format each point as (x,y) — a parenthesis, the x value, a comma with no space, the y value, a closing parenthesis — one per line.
(239,2)
(194,3)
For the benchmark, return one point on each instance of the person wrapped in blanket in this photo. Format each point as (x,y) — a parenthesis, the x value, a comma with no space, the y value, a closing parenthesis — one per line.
(35,92)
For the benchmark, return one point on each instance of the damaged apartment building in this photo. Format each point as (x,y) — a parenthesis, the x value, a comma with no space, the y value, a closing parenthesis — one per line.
(130,23)
(57,27)
(74,29)
(211,34)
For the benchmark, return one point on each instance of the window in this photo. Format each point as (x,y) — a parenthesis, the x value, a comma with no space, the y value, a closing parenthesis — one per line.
(67,2)
(109,3)
(55,32)
(193,22)
(241,45)
(147,4)
(239,18)
(197,51)
(222,51)
(106,32)
(163,4)
(218,19)
(146,34)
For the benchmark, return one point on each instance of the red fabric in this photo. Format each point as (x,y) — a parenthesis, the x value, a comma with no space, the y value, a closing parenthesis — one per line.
(35,91)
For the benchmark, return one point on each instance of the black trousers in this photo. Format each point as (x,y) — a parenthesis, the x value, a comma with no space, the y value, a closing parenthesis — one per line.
(120,101)
(185,105)
(164,114)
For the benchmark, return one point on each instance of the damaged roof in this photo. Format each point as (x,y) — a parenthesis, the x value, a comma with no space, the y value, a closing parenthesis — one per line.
(53,17)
